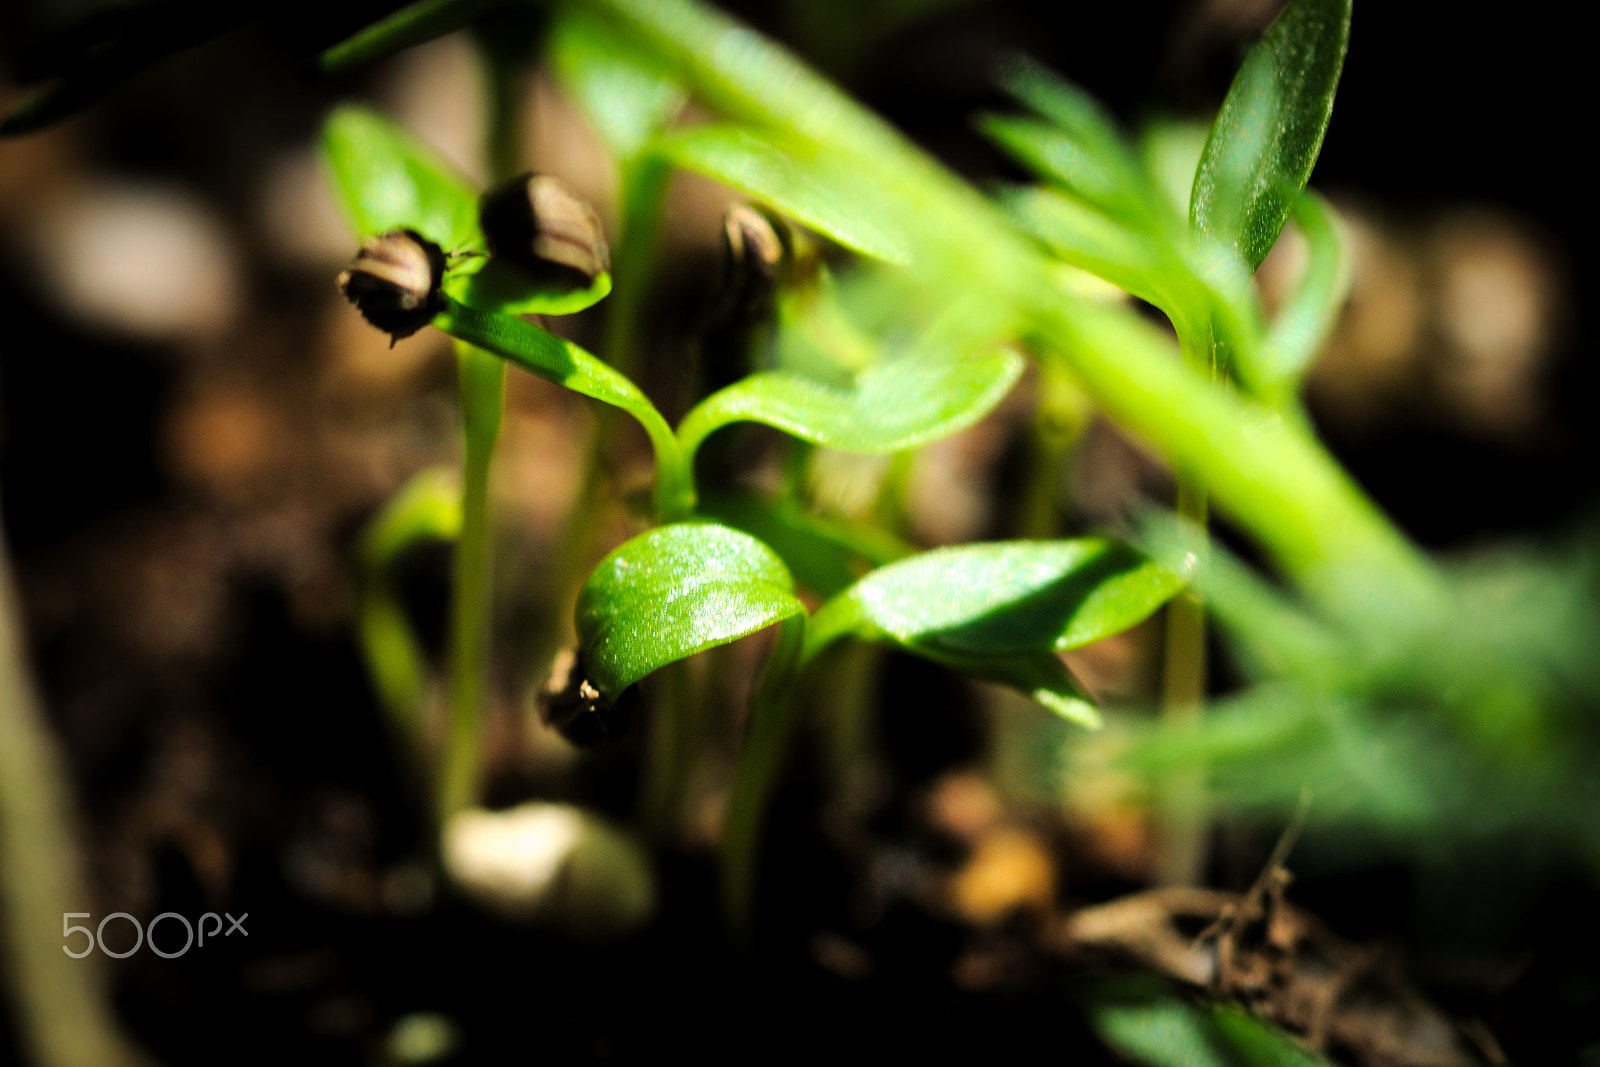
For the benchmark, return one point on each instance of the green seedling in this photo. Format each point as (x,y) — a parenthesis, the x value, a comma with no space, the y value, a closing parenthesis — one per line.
(1357,645)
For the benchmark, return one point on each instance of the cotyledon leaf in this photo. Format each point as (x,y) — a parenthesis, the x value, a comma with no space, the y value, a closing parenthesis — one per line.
(789,178)
(493,285)
(385,180)
(1269,132)
(1002,610)
(674,591)
(894,405)
(825,554)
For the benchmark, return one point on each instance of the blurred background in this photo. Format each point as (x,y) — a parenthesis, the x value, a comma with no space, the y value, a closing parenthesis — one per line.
(194,427)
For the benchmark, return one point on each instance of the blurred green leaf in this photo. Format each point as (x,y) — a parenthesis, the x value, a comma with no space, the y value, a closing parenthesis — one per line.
(384,180)
(1266,138)
(1170,150)
(428,507)
(791,179)
(1093,241)
(625,93)
(1160,1028)
(675,591)
(894,405)
(1057,158)
(1303,326)
(1002,610)
(1070,110)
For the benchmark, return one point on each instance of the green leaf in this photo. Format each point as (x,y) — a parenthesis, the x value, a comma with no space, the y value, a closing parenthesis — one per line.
(675,591)
(1002,610)
(1070,110)
(1058,158)
(625,93)
(1267,136)
(1092,241)
(428,507)
(791,179)
(1170,150)
(566,364)
(825,555)
(496,286)
(385,180)
(1302,327)
(894,405)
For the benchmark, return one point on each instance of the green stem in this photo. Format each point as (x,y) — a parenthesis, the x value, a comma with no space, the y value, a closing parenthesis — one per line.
(774,712)
(566,364)
(644,187)
(62,1009)
(1181,856)
(482,379)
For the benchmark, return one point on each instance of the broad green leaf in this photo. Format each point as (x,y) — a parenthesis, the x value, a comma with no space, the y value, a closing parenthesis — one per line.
(894,405)
(675,591)
(566,364)
(1267,136)
(385,180)
(625,93)
(825,555)
(791,179)
(1303,326)
(413,24)
(1002,610)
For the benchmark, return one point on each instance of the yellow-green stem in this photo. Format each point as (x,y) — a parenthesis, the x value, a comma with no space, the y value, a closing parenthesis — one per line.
(61,1006)
(1180,805)
(482,381)
(1180,859)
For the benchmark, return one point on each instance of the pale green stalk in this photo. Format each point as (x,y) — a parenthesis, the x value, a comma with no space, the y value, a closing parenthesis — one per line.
(482,383)
(63,1013)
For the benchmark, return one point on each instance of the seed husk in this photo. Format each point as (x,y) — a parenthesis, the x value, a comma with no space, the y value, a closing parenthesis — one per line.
(572,705)
(538,223)
(394,282)
(757,252)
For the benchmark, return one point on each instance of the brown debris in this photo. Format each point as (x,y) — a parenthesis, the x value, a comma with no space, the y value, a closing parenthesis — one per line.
(1282,963)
